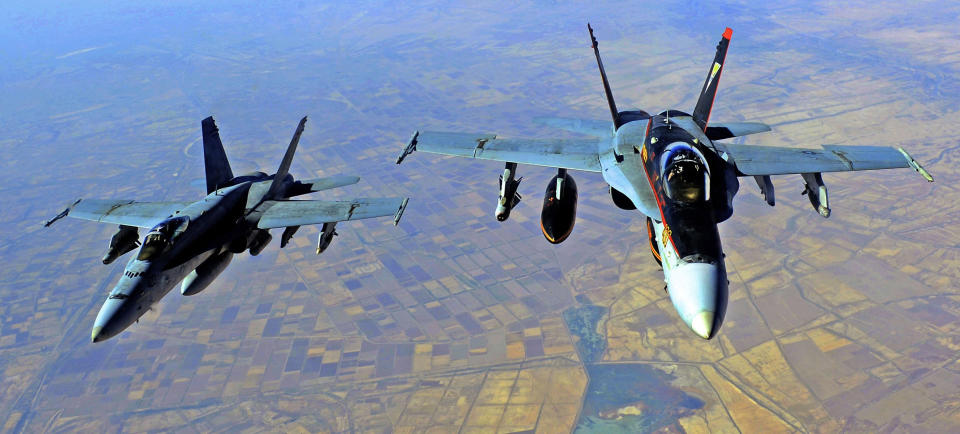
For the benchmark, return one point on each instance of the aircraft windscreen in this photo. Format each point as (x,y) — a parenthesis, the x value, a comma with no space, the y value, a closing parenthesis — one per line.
(685,176)
(158,239)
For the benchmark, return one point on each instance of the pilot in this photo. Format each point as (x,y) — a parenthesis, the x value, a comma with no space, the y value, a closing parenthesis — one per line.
(158,239)
(685,177)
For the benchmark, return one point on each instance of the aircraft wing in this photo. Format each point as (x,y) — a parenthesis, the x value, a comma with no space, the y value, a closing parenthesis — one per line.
(570,154)
(772,160)
(283,213)
(124,212)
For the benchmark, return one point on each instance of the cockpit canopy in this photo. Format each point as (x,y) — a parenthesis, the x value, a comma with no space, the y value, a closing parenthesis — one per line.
(685,174)
(159,238)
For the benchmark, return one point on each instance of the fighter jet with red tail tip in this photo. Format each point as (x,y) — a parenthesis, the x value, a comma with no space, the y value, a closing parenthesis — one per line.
(673,168)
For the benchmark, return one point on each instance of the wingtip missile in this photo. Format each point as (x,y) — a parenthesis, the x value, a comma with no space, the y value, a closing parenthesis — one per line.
(411,146)
(399,214)
(62,214)
(915,165)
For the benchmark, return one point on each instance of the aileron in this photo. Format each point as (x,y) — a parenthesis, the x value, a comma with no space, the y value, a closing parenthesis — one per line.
(770,160)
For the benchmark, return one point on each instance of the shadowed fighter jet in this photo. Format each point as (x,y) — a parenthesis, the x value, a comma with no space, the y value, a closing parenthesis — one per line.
(193,242)
(671,168)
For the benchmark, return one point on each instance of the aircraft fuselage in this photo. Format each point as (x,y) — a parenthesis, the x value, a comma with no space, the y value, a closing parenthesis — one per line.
(192,243)
(208,228)
(644,160)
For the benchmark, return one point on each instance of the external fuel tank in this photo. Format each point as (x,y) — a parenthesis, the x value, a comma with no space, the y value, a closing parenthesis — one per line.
(559,208)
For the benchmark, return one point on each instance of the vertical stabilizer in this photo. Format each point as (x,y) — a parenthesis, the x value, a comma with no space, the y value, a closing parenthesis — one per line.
(701,114)
(287,159)
(606,84)
(214,157)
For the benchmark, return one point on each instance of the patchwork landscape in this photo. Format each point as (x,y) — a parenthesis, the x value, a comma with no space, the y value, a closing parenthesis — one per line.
(452,321)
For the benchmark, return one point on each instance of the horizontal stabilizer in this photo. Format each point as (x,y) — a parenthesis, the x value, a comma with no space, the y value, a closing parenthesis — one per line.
(718,131)
(589,127)
(632,116)
(283,213)
(319,184)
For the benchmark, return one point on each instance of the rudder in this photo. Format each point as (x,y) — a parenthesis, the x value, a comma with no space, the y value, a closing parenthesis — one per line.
(701,114)
(284,168)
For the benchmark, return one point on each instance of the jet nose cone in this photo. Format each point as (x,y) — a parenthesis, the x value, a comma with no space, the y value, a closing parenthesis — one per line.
(502,213)
(95,335)
(698,291)
(105,326)
(702,324)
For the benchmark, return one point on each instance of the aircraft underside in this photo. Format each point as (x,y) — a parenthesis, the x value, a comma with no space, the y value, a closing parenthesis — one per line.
(141,294)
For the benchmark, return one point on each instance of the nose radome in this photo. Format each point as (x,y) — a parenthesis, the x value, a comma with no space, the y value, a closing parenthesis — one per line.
(103,326)
(702,324)
(699,293)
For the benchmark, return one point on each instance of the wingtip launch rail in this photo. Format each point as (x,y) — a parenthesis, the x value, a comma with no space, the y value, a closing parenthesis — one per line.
(62,214)
(411,146)
(399,214)
(915,165)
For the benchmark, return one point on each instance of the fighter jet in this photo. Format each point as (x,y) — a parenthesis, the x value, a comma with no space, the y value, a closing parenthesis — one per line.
(671,167)
(191,243)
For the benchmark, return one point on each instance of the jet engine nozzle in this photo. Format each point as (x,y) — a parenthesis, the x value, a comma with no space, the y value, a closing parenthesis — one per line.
(206,272)
(559,208)
(509,197)
(125,240)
